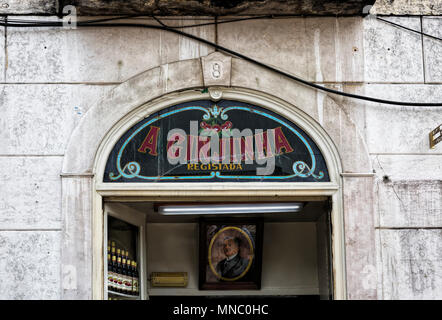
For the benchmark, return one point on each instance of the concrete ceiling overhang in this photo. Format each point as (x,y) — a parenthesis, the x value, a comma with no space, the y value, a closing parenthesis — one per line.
(218,7)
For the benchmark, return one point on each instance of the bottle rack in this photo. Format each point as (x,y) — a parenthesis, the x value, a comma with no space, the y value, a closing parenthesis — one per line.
(122,295)
(123,243)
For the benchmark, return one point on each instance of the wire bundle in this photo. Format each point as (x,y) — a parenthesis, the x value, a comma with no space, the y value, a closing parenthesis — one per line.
(104,23)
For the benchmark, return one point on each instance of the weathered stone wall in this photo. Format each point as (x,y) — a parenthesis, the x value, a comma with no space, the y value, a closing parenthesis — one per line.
(187,7)
(408,7)
(220,7)
(51,77)
(401,65)
(49,80)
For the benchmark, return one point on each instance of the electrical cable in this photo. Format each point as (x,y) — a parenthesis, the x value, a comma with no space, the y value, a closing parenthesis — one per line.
(115,18)
(159,21)
(219,22)
(86,21)
(409,29)
(231,52)
(213,23)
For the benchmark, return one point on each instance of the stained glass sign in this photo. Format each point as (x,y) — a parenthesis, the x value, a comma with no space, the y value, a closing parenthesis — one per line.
(226,141)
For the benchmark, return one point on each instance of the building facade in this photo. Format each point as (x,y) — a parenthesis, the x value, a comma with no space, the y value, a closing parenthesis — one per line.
(69,94)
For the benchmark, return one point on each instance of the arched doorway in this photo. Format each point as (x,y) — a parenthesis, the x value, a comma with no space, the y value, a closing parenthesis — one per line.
(209,189)
(83,189)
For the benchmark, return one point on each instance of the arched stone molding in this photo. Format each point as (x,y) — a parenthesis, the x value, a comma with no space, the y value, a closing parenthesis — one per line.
(188,75)
(159,86)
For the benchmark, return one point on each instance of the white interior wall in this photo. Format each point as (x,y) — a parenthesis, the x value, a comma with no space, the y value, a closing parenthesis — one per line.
(289,265)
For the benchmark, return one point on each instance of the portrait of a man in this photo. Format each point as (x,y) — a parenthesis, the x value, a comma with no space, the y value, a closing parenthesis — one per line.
(233,265)
(230,254)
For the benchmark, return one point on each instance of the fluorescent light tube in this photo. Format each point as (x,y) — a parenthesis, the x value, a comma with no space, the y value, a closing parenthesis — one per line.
(240,208)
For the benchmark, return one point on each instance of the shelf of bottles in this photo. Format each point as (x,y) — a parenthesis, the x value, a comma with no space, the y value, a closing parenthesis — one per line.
(122,266)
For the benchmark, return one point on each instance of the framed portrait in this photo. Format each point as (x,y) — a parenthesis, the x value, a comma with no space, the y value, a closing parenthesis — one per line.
(230,254)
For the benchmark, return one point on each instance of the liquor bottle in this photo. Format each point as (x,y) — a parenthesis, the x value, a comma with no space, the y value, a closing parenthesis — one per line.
(109,266)
(113,253)
(129,283)
(124,273)
(113,268)
(110,276)
(119,274)
(135,283)
(119,271)
(128,273)
(114,274)
(126,255)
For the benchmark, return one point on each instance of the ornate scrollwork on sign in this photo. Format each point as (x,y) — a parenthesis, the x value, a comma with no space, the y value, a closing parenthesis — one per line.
(296,157)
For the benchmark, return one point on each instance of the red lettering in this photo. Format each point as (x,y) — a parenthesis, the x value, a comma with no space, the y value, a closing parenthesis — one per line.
(203,148)
(224,153)
(247,148)
(261,145)
(281,142)
(151,141)
(174,147)
(192,148)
